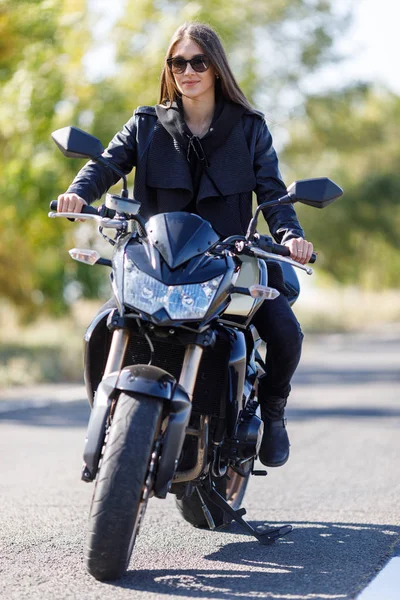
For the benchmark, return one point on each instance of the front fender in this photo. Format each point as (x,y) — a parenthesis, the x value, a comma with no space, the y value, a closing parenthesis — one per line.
(147,381)
(155,384)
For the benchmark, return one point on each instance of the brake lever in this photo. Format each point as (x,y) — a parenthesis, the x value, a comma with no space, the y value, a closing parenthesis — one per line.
(74,216)
(105,222)
(277,257)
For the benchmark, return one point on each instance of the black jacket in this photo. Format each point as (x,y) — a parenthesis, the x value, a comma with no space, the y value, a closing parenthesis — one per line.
(245,162)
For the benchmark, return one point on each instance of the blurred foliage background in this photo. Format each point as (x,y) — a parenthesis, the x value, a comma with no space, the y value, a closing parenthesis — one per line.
(80,62)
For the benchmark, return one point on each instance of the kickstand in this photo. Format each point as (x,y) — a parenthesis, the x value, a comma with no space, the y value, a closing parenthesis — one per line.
(267,537)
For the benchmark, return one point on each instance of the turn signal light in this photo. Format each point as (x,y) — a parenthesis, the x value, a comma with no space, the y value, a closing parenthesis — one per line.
(263,291)
(89,257)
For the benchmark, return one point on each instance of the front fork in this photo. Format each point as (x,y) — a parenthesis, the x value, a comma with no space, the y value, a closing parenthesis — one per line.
(116,355)
(190,367)
(152,382)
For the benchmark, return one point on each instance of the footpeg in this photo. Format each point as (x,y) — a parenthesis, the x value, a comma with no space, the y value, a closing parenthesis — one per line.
(266,537)
(259,473)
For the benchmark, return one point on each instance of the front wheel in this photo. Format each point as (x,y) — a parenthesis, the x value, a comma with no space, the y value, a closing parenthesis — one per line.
(122,486)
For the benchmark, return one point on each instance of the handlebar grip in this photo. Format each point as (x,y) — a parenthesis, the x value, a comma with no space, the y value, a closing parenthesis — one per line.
(87,209)
(284,251)
(313,258)
(280,249)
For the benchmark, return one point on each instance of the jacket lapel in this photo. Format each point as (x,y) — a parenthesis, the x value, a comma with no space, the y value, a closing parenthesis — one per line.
(167,166)
(226,148)
(230,166)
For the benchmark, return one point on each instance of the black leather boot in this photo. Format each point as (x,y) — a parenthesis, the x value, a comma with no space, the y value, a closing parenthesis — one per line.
(274,449)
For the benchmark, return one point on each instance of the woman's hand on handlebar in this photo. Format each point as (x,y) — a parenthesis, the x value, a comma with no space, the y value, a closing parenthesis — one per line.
(300,250)
(70,203)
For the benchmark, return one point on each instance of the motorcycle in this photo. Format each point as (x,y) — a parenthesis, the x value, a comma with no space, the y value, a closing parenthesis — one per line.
(171,368)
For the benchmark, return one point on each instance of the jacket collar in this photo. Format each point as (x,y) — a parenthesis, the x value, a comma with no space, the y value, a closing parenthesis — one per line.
(226,116)
(226,149)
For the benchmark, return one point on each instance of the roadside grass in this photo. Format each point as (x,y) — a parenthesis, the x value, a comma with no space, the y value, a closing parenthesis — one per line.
(341,310)
(51,350)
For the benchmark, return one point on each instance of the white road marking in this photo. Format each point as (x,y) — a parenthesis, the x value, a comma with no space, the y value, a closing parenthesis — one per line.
(386,586)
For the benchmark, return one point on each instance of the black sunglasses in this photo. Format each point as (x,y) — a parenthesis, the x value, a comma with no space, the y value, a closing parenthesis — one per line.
(199,63)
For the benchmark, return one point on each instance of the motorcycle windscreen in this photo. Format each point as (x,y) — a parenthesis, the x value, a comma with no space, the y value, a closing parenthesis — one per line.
(179,236)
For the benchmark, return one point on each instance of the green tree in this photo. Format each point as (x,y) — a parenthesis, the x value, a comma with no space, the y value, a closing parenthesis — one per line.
(351,136)
(46,85)
(42,85)
(271,45)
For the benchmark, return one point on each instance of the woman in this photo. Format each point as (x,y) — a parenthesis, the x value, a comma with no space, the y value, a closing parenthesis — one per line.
(204,149)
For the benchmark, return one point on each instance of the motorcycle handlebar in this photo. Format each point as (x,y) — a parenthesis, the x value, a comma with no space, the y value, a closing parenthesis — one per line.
(102,210)
(86,209)
(266,243)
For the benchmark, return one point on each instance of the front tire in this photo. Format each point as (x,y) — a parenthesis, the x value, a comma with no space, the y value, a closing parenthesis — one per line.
(122,486)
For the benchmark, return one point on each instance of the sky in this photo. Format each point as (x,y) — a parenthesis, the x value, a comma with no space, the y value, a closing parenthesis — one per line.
(372,44)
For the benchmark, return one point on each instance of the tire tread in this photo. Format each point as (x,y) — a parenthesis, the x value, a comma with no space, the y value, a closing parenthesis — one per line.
(119,486)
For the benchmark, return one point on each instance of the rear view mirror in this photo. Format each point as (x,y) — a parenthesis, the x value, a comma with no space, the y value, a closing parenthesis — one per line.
(75,143)
(317,192)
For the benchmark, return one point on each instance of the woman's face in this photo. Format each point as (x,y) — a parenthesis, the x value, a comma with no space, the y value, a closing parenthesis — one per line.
(191,84)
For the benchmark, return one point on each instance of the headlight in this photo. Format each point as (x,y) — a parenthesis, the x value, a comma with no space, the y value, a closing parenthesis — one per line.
(190,301)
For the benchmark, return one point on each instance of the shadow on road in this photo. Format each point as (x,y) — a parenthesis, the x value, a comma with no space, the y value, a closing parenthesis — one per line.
(317,560)
(64,414)
(341,412)
(345,376)
(76,414)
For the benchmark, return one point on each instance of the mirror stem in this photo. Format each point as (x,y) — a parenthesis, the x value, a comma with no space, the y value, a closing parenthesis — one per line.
(286,199)
(110,165)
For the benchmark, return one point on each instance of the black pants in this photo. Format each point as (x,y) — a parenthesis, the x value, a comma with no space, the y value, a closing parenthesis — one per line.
(279,328)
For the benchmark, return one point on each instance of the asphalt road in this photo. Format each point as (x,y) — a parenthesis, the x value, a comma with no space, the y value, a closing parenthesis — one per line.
(340,490)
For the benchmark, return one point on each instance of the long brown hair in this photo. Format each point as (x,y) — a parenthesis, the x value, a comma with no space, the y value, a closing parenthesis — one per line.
(208,40)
